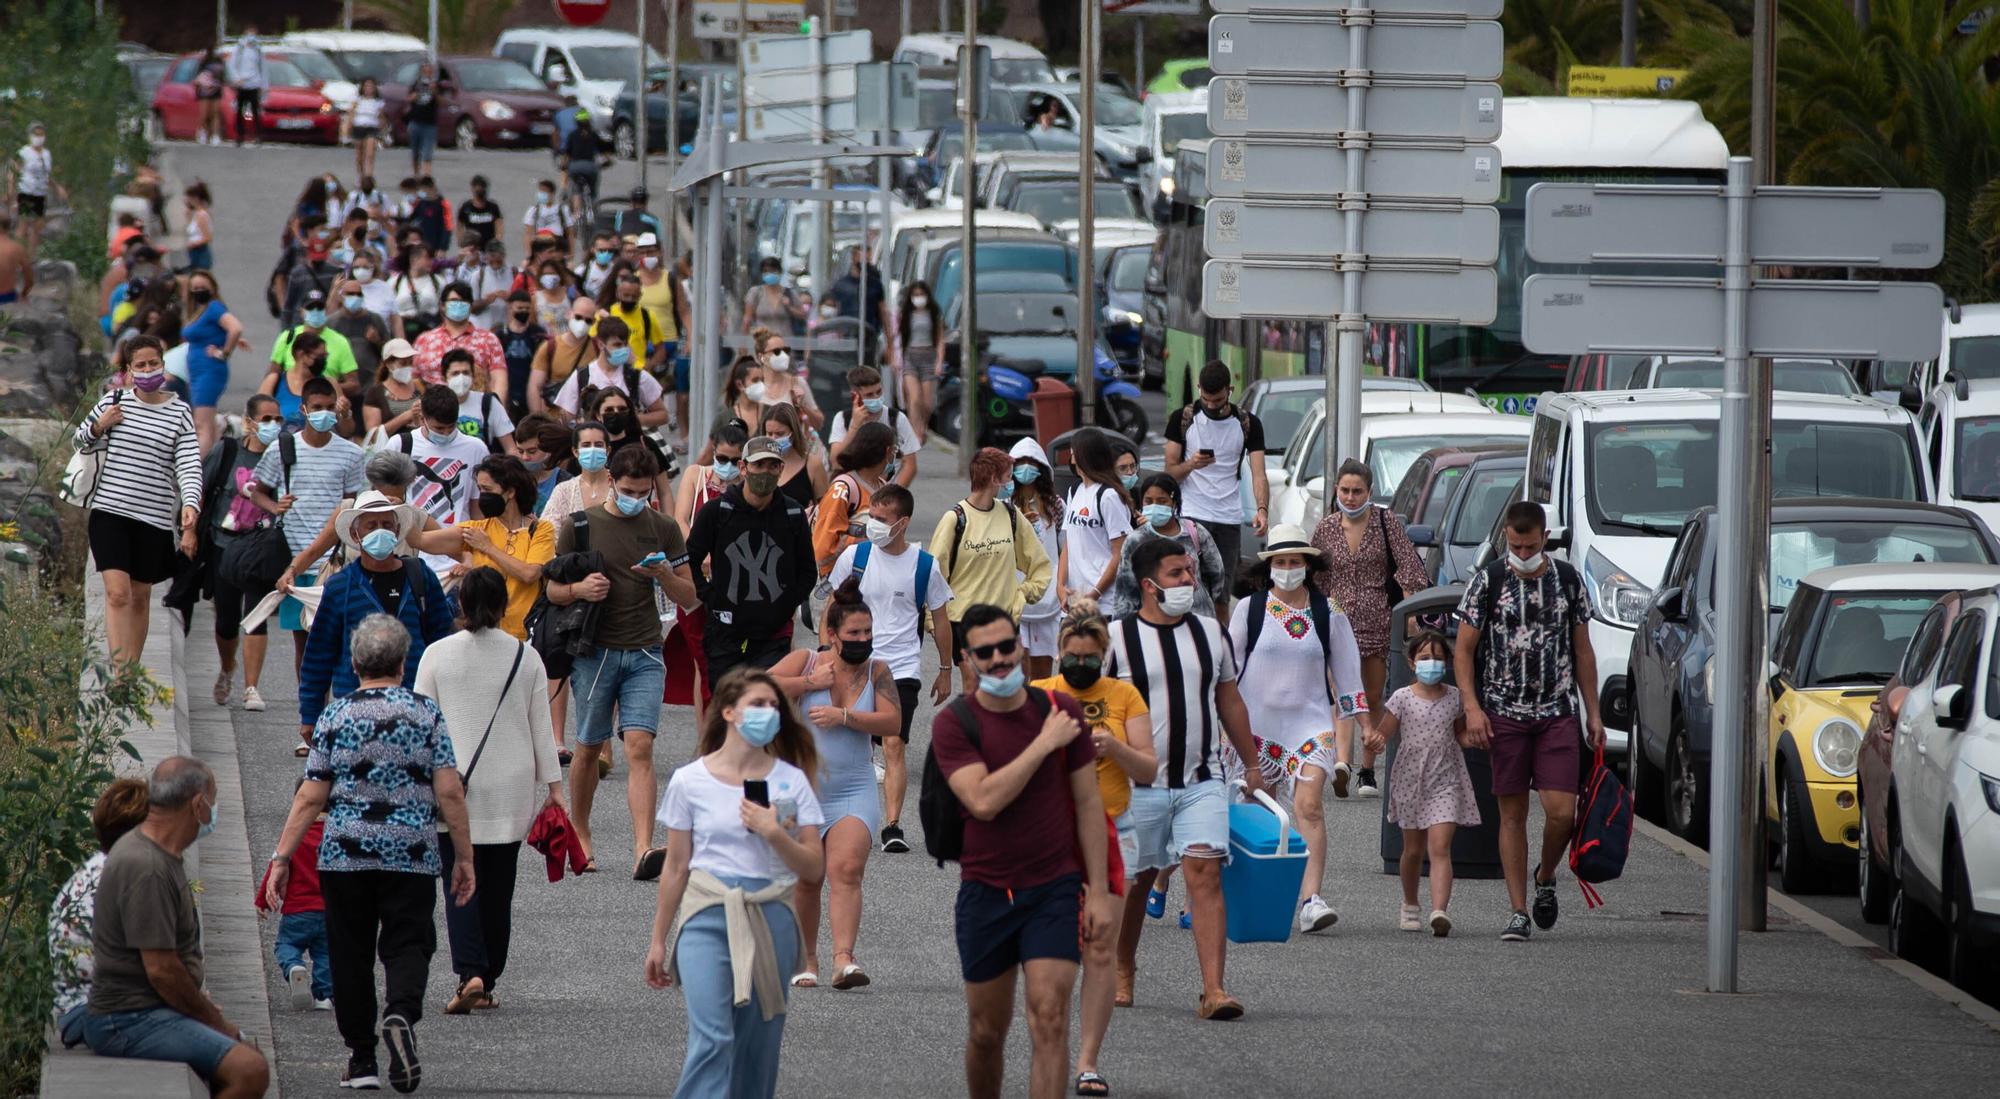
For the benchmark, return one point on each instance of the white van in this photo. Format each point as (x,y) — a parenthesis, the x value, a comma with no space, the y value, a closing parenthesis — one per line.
(358,54)
(1619,470)
(592,64)
(1169,118)
(1960,429)
(1013,62)
(1971,350)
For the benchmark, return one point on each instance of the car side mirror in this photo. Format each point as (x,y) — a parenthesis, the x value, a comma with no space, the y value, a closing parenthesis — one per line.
(1277,479)
(1558,538)
(1909,398)
(1143,155)
(1421,535)
(1672,604)
(1316,488)
(1953,706)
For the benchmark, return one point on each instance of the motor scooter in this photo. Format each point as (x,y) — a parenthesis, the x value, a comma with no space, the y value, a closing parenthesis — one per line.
(1006,409)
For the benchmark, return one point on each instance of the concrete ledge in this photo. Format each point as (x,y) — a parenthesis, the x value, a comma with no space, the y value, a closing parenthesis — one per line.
(80,1072)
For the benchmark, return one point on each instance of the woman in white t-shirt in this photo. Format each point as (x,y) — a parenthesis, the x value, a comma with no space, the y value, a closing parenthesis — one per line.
(364,125)
(742,816)
(1096,518)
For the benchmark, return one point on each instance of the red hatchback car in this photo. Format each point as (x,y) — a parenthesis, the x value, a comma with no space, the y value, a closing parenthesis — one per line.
(294,109)
(481,101)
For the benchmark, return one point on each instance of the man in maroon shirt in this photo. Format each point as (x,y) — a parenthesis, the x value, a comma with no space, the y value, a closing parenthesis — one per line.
(1034,834)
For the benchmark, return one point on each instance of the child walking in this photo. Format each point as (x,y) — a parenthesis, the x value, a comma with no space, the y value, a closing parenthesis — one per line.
(302,926)
(1430,792)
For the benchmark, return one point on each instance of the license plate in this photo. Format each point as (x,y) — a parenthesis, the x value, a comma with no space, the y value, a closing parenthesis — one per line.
(542,128)
(295,123)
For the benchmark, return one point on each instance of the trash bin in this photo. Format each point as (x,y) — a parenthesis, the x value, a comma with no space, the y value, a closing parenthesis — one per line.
(1475,851)
(1055,410)
(1267,863)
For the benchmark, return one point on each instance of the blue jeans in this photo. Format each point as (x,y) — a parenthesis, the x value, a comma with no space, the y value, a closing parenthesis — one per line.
(423,142)
(633,680)
(1167,823)
(159,1034)
(732,1053)
(301,934)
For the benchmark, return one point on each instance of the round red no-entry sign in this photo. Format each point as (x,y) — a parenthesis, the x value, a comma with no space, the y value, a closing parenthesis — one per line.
(583,13)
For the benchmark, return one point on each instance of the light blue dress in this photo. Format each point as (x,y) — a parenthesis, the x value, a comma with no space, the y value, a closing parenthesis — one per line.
(846,764)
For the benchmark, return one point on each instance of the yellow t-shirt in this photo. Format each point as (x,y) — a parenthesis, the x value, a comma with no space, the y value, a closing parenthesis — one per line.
(637,320)
(534,544)
(998,560)
(658,299)
(1107,705)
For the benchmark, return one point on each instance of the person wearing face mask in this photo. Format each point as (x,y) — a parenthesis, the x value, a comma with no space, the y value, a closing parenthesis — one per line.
(751,551)
(770,304)
(920,351)
(480,215)
(1121,736)
(645,333)
(865,467)
(659,296)
(1430,790)
(702,483)
(1212,444)
(508,538)
(1300,675)
(1181,663)
(149,485)
(1097,518)
(31,179)
(568,350)
(419,291)
(338,363)
(307,362)
(904,591)
(848,697)
(989,551)
(481,414)
(1366,550)
(742,398)
(547,214)
(638,548)
(377,295)
(1522,708)
(1160,517)
(380,578)
(867,404)
(148,959)
(804,477)
(364,332)
(390,406)
(457,332)
(1032,491)
(1034,884)
(230,512)
(548,450)
(212,334)
(783,380)
(446,459)
(304,480)
(491,278)
(727,840)
(617,366)
(521,340)
(592,484)
(312,269)
(597,264)
(861,281)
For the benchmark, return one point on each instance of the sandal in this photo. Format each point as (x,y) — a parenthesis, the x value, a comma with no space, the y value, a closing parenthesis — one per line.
(589,866)
(222,688)
(805,979)
(563,756)
(487,1001)
(302,751)
(849,976)
(1123,997)
(1090,1083)
(650,864)
(1221,1008)
(468,994)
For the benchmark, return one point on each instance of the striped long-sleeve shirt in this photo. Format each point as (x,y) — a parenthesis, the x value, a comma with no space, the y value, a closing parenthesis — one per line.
(152,467)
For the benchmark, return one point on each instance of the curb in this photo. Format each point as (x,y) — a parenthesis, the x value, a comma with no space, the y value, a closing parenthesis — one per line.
(1917,975)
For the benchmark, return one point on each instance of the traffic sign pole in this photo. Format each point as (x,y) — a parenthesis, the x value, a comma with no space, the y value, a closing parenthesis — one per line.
(1343,383)
(968,270)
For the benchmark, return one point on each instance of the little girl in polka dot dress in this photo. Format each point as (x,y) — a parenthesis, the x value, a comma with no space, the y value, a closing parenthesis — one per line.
(1430,791)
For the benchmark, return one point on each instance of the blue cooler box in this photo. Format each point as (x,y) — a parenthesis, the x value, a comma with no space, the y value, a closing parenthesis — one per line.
(1260,884)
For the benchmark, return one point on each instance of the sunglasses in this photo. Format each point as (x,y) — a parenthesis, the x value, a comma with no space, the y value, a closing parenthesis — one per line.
(1002,648)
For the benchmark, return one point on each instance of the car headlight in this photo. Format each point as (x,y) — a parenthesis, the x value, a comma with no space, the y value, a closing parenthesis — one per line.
(495,110)
(1991,787)
(325,107)
(1621,600)
(1837,747)
(1167,186)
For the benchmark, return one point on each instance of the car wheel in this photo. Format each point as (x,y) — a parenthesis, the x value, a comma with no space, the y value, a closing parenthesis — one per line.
(1641,778)
(1876,886)
(950,421)
(467,133)
(1797,874)
(1913,929)
(1965,964)
(1687,793)
(625,141)
(1127,418)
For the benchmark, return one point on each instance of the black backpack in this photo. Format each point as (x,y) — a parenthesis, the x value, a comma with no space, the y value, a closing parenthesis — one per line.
(1322,619)
(555,632)
(939,809)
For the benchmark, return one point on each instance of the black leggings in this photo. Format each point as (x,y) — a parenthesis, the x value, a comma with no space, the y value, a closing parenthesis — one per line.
(231,602)
(249,101)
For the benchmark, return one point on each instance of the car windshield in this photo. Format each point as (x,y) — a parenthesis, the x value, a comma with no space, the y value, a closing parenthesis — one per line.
(1788,375)
(280,73)
(936,106)
(1976,357)
(1009,255)
(497,75)
(1485,492)
(612,62)
(1182,126)
(1862,637)
(1646,477)
(953,141)
(380,64)
(315,65)
(1128,270)
(846,223)
(1022,70)
(1115,108)
(1391,458)
(1441,488)
(1061,200)
(1022,314)
(1281,413)
(1975,473)
(1797,549)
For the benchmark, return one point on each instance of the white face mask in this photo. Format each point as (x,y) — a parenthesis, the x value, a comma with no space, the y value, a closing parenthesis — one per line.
(650,262)
(1288,579)
(881,533)
(1350,512)
(1526,565)
(403,374)
(1177,601)
(364,275)
(579,327)
(459,384)
(780,361)
(918,301)
(38,140)
(754,391)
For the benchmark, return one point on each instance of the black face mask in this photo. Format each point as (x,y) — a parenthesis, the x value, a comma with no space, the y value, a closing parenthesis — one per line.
(615,422)
(491,505)
(856,652)
(522,318)
(1222,413)
(1082,671)
(201,297)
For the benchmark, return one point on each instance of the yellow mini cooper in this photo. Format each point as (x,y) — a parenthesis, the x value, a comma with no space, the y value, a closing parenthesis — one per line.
(1842,636)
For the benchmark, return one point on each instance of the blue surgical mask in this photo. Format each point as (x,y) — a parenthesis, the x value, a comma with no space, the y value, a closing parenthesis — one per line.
(379,544)
(267,433)
(353,303)
(457,311)
(1005,686)
(784,444)
(1027,475)
(758,724)
(208,826)
(315,318)
(890,469)
(592,458)
(618,356)
(1430,671)
(874,404)
(323,420)
(770,278)
(1159,515)
(726,471)
(1131,482)
(441,438)
(629,506)
(603,259)
(342,256)
(1005,491)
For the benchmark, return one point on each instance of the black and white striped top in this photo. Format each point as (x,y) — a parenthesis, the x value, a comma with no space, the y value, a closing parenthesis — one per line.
(1176,668)
(153,467)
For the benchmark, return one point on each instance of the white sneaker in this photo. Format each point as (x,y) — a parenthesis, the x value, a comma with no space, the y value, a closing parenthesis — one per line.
(1316,915)
(301,982)
(323,1005)
(252,701)
(1408,920)
(1440,923)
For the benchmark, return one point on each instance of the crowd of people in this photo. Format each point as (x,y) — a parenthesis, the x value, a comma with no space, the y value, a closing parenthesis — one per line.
(458,487)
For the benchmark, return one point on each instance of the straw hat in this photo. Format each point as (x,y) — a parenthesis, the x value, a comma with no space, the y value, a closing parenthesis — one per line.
(1287,538)
(408,519)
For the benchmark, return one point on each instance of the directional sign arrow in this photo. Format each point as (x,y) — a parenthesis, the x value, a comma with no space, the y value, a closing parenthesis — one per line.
(1461,9)
(1584,314)
(1240,229)
(1452,295)
(1454,111)
(1272,169)
(1241,45)
(1802,226)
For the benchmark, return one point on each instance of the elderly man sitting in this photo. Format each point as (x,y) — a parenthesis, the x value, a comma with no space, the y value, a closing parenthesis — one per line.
(146,999)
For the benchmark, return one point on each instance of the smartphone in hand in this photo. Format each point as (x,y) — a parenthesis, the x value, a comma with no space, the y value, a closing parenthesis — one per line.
(757,791)
(651,559)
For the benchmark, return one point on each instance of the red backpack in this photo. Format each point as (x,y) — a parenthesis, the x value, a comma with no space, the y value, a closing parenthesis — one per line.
(1603,835)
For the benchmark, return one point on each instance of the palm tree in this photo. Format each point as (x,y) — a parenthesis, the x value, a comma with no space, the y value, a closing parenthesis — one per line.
(464,26)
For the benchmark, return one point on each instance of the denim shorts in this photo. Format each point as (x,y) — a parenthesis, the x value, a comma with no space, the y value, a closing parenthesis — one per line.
(631,679)
(1166,823)
(158,1034)
(423,141)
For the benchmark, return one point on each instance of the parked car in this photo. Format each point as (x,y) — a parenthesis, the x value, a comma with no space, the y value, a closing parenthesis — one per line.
(1013,62)
(1298,487)
(1167,119)
(490,101)
(1705,372)
(1121,289)
(1003,252)
(1668,657)
(1841,639)
(947,143)
(1588,373)
(1452,545)
(1971,351)
(293,107)
(146,70)
(1960,430)
(1944,806)
(624,119)
(1180,74)
(910,231)
(1119,140)
(594,64)
(1426,487)
(359,54)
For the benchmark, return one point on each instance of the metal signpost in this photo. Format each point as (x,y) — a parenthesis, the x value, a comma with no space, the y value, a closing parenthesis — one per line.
(731,19)
(971,103)
(1397,98)
(1739,319)
(1086,226)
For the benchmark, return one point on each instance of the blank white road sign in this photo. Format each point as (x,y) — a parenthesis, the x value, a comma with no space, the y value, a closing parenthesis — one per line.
(1463,9)
(1242,45)
(1800,226)
(1268,107)
(778,87)
(1242,229)
(1461,295)
(1584,314)
(1252,168)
